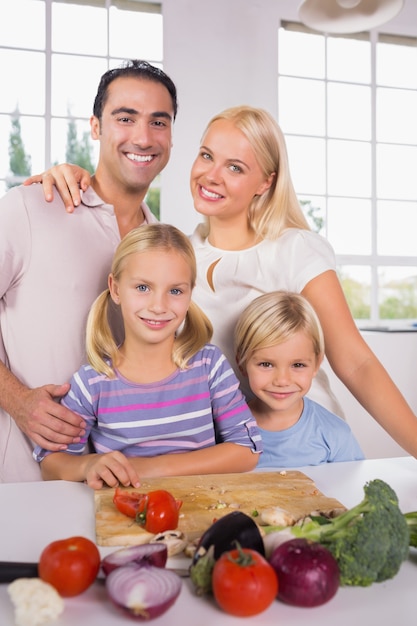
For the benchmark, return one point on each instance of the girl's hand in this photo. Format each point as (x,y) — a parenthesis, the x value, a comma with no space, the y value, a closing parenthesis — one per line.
(111,469)
(68,180)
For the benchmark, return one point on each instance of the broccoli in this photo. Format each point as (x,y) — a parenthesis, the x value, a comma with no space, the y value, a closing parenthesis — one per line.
(369,541)
(411,519)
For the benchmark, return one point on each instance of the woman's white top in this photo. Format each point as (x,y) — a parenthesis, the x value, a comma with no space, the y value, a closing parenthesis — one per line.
(237,277)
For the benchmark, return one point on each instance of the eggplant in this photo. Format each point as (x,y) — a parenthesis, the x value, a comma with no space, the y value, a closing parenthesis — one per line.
(222,534)
(11,570)
(220,537)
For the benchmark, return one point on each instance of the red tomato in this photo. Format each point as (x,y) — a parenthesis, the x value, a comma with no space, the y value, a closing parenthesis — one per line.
(127,503)
(155,511)
(70,565)
(243,582)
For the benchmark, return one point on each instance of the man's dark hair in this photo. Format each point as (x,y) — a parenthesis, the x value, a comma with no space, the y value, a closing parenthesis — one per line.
(136,69)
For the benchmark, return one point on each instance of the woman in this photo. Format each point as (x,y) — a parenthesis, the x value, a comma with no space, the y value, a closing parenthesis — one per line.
(256,240)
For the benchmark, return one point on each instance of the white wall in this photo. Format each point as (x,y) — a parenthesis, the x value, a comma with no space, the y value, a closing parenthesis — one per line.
(397,351)
(221,53)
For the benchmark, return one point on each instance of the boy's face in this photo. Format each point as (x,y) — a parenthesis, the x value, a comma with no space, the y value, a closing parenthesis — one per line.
(135,133)
(281,375)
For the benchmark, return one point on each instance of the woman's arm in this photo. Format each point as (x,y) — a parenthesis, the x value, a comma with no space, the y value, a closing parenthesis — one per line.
(68,180)
(111,469)
(356,365)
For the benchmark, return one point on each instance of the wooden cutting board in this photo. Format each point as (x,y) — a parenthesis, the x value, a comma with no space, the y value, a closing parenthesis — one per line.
(209,497)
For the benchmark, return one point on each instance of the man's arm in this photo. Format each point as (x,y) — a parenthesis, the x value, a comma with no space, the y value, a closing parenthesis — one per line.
(37,412)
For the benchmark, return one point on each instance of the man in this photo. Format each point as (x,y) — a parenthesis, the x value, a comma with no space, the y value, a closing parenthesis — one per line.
(53,265)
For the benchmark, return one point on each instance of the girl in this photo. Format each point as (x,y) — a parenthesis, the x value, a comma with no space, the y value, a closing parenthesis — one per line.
(279,347)
(255,239)
(158,404)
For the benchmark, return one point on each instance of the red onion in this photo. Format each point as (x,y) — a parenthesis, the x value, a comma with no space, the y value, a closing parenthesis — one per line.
(143,591)
(149,553)
(308,574)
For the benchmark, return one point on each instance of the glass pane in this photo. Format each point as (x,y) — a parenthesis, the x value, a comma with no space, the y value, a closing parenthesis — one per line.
(349,111)
(27,93)
(349,225)
(22,25)
(394,63)
(302,106)
(135,35)
(348,59)
(59,132)
(75,96)
(307,164)
(349,168)
(314,208)
(396,119)
(79,29)
(397,228)
(32,135)
(397,292)
(301,54)
(5,127)
(356,283)
(396,172)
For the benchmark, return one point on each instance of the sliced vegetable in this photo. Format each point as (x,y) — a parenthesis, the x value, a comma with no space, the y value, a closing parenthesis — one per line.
(308,573)
(127,502)
(147,554)
(143,591)
(244,583)
(155,511)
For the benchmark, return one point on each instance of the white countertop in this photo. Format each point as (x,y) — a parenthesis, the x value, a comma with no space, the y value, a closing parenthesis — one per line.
(34,514)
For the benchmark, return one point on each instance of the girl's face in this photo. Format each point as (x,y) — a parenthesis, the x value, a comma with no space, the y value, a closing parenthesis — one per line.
(226,175)
(280,376)
(154,293)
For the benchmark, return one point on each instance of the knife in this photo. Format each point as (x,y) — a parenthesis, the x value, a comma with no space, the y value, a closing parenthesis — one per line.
(10,570)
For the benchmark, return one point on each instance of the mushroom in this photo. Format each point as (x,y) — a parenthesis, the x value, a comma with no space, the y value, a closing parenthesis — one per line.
(174,540)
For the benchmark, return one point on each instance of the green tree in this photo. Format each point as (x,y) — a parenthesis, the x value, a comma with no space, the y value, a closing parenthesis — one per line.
(20,163)
(78,152)
(401,301)
(357,296)
(312,213)
(153,201)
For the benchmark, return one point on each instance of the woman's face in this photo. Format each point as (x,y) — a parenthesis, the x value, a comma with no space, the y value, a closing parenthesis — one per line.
(226,175)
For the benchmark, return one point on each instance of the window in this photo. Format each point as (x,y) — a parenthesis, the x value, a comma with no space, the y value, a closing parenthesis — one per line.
(347,107)
(51,67)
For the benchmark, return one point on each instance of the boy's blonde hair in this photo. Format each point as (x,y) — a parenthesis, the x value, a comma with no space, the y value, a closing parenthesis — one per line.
(197,330)
(273,318)
(278,208)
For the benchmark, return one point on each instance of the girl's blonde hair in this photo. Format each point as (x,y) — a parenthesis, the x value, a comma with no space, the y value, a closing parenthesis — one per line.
(278,208)
(196,331)
(273,318)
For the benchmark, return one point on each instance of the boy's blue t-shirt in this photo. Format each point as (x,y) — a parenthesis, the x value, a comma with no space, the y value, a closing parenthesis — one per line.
(318,437)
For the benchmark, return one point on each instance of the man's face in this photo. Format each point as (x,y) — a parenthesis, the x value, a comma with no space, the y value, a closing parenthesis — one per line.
(135,133)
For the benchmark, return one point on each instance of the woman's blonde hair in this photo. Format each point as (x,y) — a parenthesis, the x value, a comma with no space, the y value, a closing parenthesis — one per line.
(273,318)
(196,331)
(278,208)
